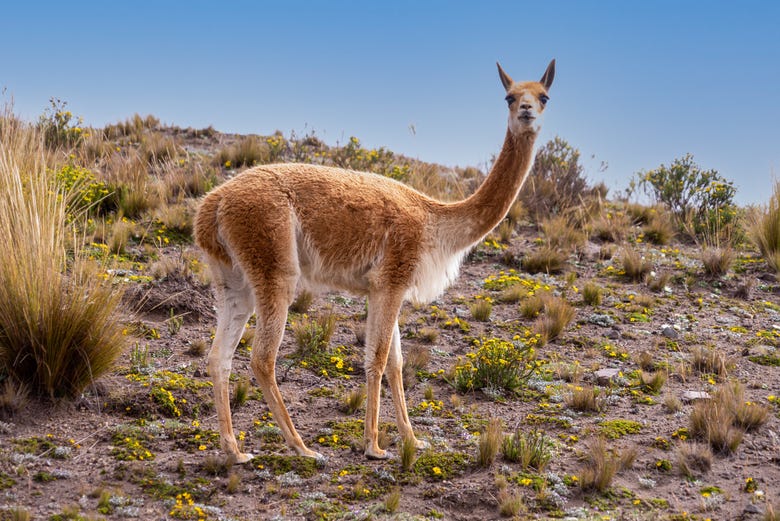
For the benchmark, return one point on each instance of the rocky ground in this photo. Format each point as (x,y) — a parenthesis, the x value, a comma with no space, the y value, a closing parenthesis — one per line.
(143,444)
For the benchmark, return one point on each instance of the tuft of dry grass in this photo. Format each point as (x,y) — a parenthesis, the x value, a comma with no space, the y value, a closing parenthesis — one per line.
(764,229)
(198,347)
(489,443)
(660,228)
(532,306)
(568,372)
(652,383)
(59,317)
(747,415)
(672,403)
(240,393)
(611,227)
(302,302)
(407,453)
(216,465)
(708,360)
(592,294)
(516,213)
(178,217)
(645,361)
(354,400)
(233,483)
(769,514)
(481,310)
(248,151)
(561,234)
(429,335)
(505,231)
(544,260)
(658,281)
(557,315)
(14,397)
(585,399)
(510,504)
(711,421)
(416,360)
(717,260)
(189,180)
(513,293)
(634,264)
(158,148)
(693,459)
(599,466)
(606,251)
(392,500)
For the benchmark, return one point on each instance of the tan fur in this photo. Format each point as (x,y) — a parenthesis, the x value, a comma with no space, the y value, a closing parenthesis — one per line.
(275,228)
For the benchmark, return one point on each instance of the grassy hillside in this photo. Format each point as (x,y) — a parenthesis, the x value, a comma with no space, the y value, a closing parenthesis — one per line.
(596,359)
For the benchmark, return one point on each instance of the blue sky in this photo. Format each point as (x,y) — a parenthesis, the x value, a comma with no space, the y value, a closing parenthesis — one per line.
(637,84)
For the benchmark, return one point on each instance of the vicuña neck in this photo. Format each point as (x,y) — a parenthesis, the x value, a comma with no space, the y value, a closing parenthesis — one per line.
(473,218)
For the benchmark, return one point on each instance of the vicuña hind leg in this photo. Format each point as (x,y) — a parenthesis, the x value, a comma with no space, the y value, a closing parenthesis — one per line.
(382,314)
(395,380)
(271,319)
(234,306)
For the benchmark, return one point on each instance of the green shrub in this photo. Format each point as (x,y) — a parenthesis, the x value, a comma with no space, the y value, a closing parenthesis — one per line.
(58,127)
(378,160)
(87,192)
(497,367)
(701,198)
(530,449)
(557,182)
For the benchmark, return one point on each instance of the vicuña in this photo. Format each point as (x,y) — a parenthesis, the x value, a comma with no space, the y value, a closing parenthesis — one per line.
(276,228)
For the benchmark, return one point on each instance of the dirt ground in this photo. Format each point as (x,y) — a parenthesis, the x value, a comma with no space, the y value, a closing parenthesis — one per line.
(128,449)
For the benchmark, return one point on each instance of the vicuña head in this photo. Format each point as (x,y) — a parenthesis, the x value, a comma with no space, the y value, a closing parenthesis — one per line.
(277,228)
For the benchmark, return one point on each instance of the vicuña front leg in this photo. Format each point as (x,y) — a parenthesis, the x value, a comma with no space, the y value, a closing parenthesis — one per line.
(268,337)
(382,314)
(395,380)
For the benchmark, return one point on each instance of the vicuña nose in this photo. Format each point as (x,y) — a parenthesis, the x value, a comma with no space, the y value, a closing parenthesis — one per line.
(525,106)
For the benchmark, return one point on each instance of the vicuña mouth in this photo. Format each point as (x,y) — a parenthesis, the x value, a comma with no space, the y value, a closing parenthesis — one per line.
(527,117)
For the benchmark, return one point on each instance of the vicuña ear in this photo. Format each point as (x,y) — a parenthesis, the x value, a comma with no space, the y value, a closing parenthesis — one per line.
(506,81)
(548,76)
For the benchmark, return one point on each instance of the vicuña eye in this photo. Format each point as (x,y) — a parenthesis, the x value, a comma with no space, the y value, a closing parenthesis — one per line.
(544,99)
(510,99)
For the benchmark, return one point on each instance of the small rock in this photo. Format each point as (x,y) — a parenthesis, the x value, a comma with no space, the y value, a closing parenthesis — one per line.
(690,396)
(604,376)
(750,508)
(670,332)
(613,334)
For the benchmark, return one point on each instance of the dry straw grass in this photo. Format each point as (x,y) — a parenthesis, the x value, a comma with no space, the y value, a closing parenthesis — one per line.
(634,264)
(58,316)
(764,229)
(489,443)
(600,465)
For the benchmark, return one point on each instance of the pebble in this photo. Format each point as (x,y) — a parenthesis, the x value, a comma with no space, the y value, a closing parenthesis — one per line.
(670,332)
(690,396)
(604,376)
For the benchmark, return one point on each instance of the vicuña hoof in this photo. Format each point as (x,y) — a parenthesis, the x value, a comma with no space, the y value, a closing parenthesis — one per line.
(241,457)
(308,453)
(378,454)
(421,444)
